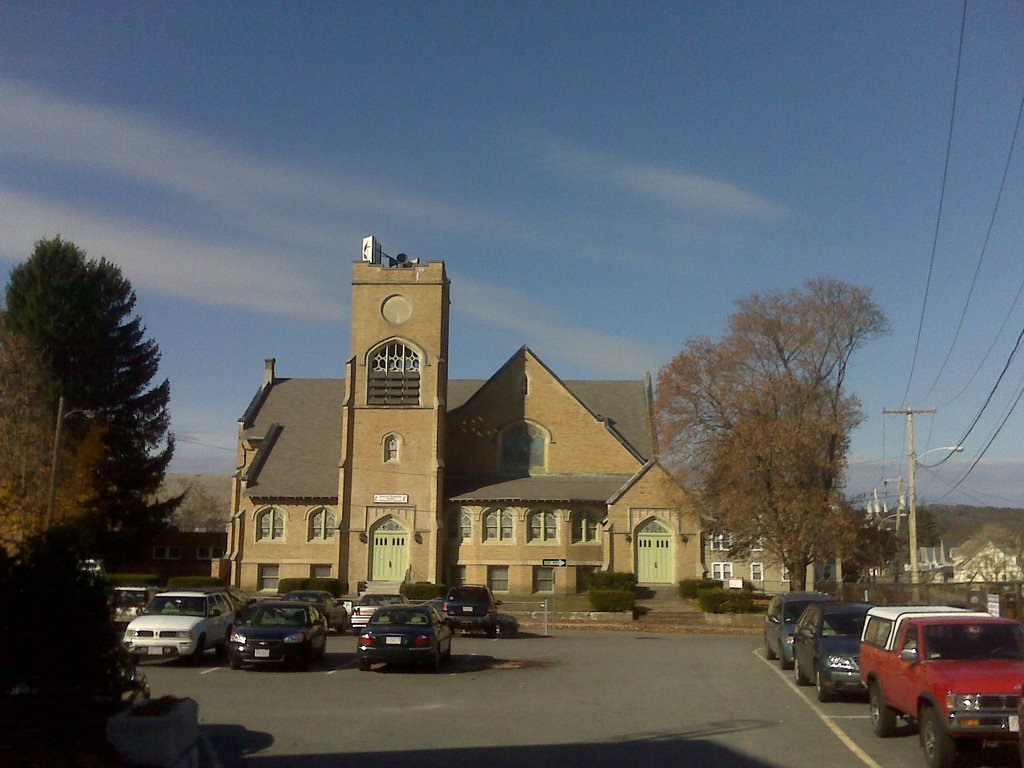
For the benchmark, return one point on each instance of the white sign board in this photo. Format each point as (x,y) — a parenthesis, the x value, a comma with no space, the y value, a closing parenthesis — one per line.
(735,583)
(993,605)
(391,498)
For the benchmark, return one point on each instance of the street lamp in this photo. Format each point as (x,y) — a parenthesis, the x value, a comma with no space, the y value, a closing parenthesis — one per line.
(915,567)
(55,465)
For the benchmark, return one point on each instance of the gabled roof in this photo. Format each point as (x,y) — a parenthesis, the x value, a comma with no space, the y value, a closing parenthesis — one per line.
(302,460)
(299,457)
(542,488)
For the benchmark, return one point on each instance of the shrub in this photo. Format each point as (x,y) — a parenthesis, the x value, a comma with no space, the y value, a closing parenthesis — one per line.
(131,579)
(194,582)
(612,599)
(690,588)
(614,580)
(423,590)
(45,592)
(336,587)
(725,600)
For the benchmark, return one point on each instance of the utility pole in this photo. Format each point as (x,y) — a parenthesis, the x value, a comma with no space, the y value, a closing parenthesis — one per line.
(915,566)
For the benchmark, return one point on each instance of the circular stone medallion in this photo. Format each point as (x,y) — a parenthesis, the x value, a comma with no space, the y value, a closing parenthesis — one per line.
(396,309)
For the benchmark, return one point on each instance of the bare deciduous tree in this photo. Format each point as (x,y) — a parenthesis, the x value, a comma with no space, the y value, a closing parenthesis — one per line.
(757,425)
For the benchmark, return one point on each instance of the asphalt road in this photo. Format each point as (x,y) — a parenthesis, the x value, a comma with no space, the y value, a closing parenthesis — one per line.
(577,698)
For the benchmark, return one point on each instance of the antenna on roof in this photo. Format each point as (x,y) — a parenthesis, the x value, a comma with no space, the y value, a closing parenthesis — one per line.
(373,253)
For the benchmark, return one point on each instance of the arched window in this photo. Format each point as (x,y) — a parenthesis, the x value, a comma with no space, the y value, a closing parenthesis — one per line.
(321,525)
(498,525)
(391,449)
(586,526)
(461,525)
(543,526)
(270,524)
(523,448)
(394,375)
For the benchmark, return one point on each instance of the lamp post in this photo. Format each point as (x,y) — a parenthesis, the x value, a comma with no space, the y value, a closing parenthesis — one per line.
(55,464)
(915,566)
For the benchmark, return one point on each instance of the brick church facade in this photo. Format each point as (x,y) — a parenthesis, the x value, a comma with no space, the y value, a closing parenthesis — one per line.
(523,481)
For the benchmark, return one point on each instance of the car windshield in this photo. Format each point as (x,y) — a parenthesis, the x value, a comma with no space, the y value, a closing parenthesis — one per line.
(791,612)
(401,616)
(312,597)
(381,600)
(463,595)
(279,616)
(842,624)
(973,642)
(129,599)
(176,606)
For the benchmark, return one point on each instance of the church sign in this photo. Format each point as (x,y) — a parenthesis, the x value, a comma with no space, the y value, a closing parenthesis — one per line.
(391,498)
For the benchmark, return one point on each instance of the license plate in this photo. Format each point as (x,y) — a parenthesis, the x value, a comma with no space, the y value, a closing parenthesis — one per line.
(156,651)
(1014,723)
(467,609)
(261,653)
(392,641)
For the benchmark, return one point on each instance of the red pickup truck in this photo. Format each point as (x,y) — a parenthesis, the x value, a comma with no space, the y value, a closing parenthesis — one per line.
(957,674)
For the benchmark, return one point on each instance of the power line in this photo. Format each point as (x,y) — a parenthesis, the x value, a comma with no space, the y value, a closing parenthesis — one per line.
(981,257)
(942,197)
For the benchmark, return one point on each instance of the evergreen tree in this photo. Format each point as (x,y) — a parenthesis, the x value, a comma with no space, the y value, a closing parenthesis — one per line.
(77,313)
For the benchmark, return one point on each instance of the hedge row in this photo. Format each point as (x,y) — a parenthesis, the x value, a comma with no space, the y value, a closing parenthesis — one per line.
(423,590)
(612,599)
(691,588)
(721,600)
(613,580)
(309,584)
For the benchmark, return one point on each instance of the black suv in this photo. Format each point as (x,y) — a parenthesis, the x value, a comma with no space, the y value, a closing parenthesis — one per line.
(472,607)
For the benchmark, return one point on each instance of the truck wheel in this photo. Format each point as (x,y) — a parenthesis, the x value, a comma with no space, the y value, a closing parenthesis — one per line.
(883,717)
(939,747)
(798,674)
(197,654)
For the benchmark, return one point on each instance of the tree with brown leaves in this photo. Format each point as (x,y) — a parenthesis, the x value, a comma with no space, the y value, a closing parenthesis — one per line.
(757,425)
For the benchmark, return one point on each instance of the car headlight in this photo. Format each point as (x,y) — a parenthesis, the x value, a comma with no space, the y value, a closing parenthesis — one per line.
(183,634)
(298,637)
(844,663)
(789,639)
(237,637)
(968,702)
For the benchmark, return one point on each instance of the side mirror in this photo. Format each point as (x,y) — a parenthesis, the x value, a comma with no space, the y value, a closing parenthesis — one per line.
(497,602)
(773,619)
(909,655)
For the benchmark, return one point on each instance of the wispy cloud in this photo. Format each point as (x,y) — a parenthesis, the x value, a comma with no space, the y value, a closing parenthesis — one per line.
(671,187)
(209,272)
(552,335)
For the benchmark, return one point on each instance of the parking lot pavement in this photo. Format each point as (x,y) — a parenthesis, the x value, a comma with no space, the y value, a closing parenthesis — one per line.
(849,721)
(578,697)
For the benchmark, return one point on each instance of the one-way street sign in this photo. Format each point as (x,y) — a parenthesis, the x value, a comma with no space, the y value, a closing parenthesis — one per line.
(554,561)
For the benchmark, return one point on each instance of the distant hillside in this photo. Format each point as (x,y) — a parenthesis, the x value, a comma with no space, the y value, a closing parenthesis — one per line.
(960,522)
(207,504)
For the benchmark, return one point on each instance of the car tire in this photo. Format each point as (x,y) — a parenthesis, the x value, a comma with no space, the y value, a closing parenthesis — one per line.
(798,674)
(768,652)
(235,662)
(785,663)
(435,661)
(492,631)
(824,694)
(200,649)
(364,665)
(222,646)
(883,717)
(938,746)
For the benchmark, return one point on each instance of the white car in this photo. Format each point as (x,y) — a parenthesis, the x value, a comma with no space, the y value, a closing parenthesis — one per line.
(181,623)
(368,603)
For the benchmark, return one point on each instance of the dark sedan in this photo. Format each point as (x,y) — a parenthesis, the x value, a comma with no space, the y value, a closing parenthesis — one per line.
(337,614)
(405,634)
(826,648)
(284,632)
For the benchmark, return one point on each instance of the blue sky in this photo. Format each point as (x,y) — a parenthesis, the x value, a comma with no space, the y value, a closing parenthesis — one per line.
(603,181)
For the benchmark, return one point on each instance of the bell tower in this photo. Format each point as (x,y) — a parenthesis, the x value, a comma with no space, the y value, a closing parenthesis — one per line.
(393,417)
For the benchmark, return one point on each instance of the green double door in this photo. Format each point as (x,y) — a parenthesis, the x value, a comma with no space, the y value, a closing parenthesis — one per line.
(654,555)
(390,555)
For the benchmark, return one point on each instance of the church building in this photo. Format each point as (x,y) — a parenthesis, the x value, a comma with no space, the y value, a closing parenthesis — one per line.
(396,473)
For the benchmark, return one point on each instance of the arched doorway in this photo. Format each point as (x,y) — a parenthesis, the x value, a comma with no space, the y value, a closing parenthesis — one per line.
(654,554)
(389,557)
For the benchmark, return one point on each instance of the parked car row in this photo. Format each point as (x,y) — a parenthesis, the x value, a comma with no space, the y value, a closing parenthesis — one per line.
(292,629)
(955,674)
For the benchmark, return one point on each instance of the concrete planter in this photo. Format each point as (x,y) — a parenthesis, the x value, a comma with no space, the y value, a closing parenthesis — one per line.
(734,619)
(155,733)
